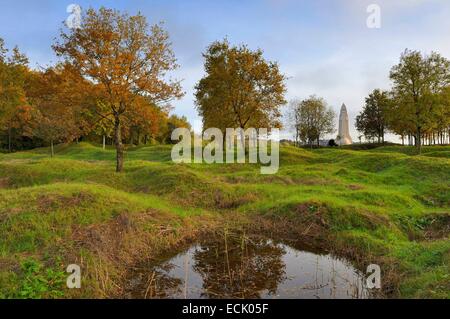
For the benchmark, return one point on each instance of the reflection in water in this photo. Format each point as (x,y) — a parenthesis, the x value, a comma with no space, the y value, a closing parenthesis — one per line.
(234,266)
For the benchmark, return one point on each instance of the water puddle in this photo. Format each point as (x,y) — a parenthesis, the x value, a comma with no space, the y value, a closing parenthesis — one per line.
(234,266)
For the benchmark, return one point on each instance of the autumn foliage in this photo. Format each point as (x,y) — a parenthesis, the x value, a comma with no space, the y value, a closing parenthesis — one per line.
(111,86)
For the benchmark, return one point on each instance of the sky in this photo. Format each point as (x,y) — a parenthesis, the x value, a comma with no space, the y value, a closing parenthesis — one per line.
(324,47)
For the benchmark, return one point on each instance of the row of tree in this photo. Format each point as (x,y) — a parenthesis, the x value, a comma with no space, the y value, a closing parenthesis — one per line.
(111,84)
(418,106)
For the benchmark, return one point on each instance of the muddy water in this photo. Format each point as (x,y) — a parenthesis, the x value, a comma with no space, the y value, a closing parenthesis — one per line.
(234,266)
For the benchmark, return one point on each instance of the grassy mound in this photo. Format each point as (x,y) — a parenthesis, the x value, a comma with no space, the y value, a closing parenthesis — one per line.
(383,205)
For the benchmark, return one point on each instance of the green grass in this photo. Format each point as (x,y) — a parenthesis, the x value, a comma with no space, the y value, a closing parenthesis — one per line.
(385,204)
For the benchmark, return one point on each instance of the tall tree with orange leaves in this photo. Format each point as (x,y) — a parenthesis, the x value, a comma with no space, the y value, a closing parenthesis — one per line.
(241,86)
(60,98)
(124,55)
(13,72)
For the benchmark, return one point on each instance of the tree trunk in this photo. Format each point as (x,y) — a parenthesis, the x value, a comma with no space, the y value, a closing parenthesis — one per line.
(241,131)
(138,137)
(419,140)
(52,148)
(104,142)
(118,143)
(9,140)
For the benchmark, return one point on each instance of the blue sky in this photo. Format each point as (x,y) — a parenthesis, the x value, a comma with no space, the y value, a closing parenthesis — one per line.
(323,46)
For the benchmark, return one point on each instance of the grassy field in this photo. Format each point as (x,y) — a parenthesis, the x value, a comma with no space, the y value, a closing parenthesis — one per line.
(384,205)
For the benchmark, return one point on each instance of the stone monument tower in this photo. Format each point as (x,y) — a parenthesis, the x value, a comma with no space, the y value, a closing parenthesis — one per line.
(344,137)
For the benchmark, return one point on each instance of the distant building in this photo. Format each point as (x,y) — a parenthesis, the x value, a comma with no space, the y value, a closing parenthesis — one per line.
(343,137)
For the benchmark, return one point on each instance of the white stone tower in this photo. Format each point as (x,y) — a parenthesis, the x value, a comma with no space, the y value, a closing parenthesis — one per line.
(344,137)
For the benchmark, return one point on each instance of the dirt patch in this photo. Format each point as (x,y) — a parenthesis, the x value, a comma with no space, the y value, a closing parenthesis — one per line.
(104,238)
(9,264)
(274,179)
(314,219)
(238,179)
(355,187)
(438,227)
(226,201)
(306,222)
(373,220)
(50,202)
(5,182)
(315,181)
(9,212)
(115,238)
(427,228)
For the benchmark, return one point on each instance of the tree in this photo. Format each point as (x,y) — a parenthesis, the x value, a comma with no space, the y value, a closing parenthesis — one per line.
(313,119)
(13,72)
(417,80)
(400,120)
(119,53)
(173,122)
(104,125)
(57,96)
(240,89)
(441,116)
(372,121)
(145,119)
(293,120)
